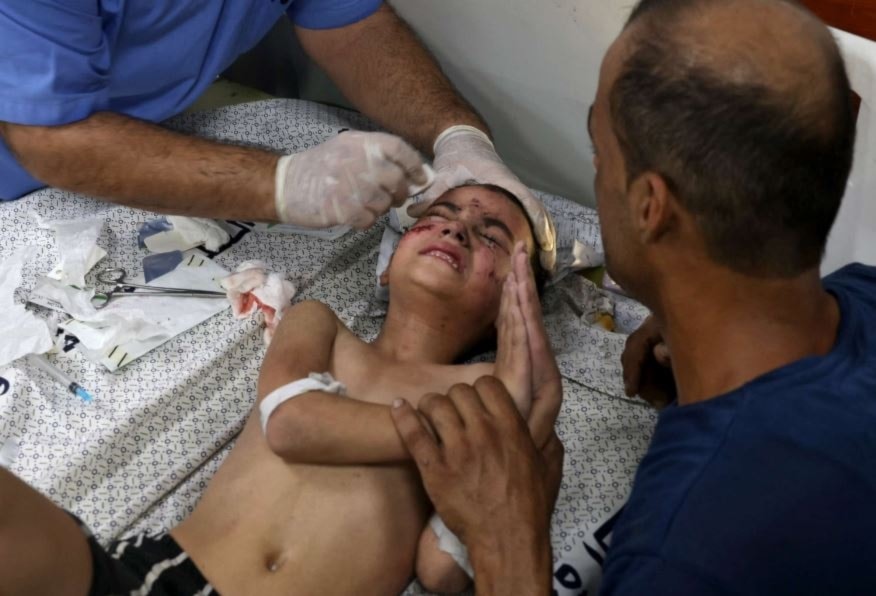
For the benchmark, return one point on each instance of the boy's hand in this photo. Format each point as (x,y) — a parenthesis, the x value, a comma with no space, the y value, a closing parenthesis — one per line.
(547,386)
(513,365)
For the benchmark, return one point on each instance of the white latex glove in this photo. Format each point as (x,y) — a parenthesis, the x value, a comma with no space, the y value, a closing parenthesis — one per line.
(351,179)
(466,155)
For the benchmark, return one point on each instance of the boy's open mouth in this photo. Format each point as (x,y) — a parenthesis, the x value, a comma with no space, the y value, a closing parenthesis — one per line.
(448,254)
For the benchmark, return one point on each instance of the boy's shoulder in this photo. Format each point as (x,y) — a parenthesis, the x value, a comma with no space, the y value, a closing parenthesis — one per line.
(312,313)
(313,307)
(307,322)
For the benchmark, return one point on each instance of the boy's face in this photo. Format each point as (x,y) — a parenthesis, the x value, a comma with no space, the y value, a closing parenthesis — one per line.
(460,249)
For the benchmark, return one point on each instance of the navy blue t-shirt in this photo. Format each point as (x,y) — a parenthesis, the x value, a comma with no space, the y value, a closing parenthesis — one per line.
(769,489)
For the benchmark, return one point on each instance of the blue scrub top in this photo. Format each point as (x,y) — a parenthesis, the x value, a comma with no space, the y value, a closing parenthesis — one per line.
(62,60)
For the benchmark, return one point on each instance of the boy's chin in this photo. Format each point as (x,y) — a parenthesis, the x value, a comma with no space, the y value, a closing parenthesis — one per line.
(447,291)
(436,280)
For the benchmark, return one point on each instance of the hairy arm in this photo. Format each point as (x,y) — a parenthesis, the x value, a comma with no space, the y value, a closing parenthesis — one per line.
(135,163)
(318,427)
(384,70)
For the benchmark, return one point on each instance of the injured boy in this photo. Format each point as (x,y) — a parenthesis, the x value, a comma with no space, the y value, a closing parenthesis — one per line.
(318,495)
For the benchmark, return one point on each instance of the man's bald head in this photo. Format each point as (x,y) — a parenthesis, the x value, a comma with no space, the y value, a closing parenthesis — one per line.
(744,107)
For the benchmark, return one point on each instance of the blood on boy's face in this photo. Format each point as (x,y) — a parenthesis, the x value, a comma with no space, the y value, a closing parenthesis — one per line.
(461,248)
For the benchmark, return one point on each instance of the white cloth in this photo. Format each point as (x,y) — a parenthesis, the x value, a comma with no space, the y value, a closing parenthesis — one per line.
(22,332)
(76,243)
(130,326)
(451,544)
(188,232)
(314,382)
(252,288)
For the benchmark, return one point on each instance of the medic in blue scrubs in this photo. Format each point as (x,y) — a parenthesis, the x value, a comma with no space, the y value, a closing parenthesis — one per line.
(83,81)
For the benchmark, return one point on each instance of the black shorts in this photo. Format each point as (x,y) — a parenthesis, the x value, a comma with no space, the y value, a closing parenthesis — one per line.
(142,565)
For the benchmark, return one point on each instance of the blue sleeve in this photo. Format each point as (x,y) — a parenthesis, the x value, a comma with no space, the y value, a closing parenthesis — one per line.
(633,575)
(53,61)
(857,279)
(329,14)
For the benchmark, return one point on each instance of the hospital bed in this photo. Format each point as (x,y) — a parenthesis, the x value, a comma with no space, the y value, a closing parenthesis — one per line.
(139,456)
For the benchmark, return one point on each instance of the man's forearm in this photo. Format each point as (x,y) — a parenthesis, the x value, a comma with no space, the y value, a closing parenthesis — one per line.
(142,165)
(513,564)
(384,70)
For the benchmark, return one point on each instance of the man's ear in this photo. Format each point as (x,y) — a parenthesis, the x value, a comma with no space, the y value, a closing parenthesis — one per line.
(384,277)
(651,206)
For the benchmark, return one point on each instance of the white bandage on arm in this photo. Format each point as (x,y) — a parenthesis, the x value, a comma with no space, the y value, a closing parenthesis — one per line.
(314,382)
(449,543)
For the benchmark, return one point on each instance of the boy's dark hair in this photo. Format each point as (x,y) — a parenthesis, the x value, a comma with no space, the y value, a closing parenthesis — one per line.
(762,172)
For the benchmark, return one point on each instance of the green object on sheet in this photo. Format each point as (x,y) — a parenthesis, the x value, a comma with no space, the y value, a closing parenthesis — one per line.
(595,274)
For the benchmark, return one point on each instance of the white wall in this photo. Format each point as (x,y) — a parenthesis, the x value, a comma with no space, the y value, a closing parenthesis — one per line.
(530,68)
(853,237)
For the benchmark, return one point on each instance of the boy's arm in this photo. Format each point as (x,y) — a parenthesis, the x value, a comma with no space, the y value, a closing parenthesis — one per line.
(318,427)
(43,551)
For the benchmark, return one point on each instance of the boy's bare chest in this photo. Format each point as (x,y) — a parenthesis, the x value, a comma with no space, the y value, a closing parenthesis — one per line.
(370,377)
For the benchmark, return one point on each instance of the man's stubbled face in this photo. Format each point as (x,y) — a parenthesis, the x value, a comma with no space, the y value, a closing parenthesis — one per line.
(460,249)
(623,256)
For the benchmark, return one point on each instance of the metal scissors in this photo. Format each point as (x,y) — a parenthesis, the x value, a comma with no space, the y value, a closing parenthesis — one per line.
(121,288)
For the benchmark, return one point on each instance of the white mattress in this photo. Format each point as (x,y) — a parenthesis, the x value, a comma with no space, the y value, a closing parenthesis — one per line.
(139,457)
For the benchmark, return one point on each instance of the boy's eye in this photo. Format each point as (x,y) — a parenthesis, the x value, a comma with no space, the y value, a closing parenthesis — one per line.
(490,240)
(427,218)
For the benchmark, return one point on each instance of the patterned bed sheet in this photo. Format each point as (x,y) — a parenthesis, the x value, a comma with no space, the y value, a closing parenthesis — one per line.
(139,457)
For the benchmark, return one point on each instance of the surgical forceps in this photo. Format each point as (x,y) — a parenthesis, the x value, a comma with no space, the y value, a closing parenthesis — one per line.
(121,288)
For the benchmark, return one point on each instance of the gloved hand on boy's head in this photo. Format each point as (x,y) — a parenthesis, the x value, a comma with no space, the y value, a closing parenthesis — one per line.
(465,155)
